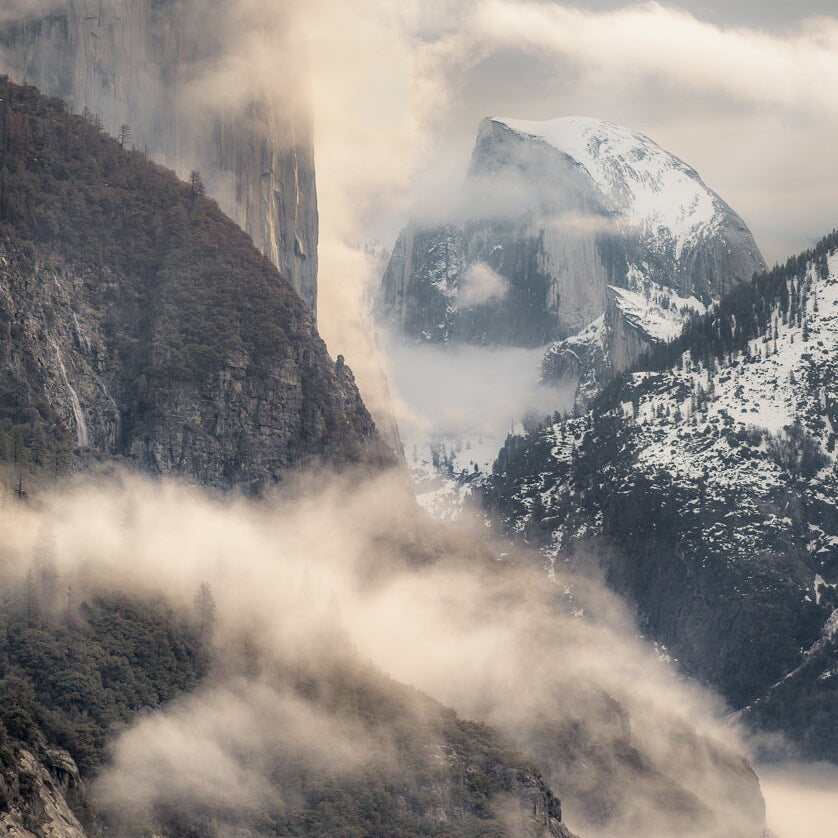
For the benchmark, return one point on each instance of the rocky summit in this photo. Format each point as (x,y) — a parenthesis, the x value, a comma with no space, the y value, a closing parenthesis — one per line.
(573,231)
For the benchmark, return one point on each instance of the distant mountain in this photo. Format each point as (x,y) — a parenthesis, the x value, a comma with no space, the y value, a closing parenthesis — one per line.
(704,483)
(137,321)
(568,225)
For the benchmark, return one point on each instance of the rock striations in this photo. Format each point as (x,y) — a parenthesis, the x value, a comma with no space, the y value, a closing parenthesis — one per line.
(569,225)
(34,790)
(137,321)
(160,69)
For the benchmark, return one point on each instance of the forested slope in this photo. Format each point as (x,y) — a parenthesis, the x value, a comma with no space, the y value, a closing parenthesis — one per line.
(703,483)
(137,321)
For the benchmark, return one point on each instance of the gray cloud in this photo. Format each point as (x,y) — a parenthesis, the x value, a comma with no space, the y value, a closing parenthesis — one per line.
(467,391)
(481,284)
(215,753)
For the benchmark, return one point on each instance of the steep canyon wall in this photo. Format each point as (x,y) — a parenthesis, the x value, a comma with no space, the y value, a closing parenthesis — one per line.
(163,69)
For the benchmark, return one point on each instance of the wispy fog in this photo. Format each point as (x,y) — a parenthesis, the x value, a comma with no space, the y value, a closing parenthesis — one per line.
(801,800)
(346,573)
(480,285)
(467,390)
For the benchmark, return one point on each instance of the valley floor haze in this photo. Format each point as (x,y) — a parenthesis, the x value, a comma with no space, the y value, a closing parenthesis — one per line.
(346,574)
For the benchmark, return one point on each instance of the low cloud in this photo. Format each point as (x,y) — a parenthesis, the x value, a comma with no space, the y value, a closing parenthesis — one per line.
(586,224)
(794,70)
(801,800)
(344,572)
(481,284)
(217,753)
(467,390)
(16,9)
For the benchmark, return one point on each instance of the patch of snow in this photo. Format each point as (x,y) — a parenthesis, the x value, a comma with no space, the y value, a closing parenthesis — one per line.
(659,312)
(82,436)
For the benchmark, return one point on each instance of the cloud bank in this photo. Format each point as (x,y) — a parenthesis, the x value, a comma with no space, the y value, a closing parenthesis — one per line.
(344,573)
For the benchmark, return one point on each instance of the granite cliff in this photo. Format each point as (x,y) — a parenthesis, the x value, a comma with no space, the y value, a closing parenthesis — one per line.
(157,67)
(34,788)
(565,222)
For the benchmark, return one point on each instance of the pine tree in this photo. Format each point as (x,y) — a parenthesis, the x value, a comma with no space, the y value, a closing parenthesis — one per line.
(196,185)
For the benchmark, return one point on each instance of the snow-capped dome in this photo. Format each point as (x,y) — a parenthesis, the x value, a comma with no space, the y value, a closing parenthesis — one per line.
(649,187)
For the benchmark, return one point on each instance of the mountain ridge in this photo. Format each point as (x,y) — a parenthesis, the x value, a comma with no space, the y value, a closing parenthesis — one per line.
(701,482)
(138,322)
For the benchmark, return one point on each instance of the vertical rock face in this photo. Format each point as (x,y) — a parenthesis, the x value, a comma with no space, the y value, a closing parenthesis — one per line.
(504,276)
(566,221)
(610,344)
(146,64)
(34,788)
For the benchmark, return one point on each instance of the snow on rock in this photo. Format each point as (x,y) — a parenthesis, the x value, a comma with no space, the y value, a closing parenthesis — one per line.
(659,313)
(649,187)
(709,483)
(714,422)
(573,234)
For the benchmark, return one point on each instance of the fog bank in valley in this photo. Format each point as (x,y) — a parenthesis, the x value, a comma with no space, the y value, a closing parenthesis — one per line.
(342,573)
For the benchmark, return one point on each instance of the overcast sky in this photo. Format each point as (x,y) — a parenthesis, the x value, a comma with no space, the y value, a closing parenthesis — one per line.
(767,14)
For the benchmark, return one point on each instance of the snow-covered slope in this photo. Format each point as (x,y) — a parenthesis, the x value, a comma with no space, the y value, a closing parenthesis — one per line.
(648,188)
(706,486)
(655,311)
